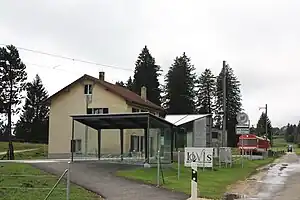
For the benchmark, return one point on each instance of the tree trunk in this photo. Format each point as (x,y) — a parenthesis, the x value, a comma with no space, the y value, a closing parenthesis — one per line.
(11,155)
(9,113)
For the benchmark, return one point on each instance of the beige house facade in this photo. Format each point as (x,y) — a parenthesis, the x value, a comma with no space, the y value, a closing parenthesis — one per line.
(90,95)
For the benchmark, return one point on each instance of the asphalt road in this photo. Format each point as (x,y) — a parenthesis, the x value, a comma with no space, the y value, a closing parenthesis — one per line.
(281,180)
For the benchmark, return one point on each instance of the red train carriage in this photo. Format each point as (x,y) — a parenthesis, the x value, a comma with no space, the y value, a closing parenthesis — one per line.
(253,143)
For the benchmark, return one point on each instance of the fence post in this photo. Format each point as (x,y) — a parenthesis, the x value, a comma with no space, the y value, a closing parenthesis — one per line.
(158,167)
(178,161)
(203,161)
(68,180)
(194,181)
(219,155)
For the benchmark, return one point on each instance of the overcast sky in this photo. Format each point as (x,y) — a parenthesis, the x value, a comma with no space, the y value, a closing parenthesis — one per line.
(258,38)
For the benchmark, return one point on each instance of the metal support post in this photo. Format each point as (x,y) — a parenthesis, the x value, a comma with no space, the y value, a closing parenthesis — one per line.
(242,153)
(158,168)
(203,161)
(178,161)
(267,124)
(224,103)
(68,180)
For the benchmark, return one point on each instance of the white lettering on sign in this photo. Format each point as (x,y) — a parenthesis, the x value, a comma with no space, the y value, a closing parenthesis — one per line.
(202,156)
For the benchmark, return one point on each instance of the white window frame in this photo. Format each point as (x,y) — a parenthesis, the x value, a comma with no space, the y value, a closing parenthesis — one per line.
(88,88)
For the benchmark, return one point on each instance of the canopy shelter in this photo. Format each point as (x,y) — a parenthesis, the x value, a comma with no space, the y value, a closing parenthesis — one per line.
(121,121)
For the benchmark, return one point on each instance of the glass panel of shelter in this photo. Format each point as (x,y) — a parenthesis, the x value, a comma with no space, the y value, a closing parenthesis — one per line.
(159,139)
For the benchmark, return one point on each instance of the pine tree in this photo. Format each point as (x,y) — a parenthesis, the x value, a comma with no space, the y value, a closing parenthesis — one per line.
(146,74)
(129,84)
(297,139)
(233,103)
(33,123)
(12,82)
(253,130)
(120,83)
(261,126)
(206,92)
(179,89)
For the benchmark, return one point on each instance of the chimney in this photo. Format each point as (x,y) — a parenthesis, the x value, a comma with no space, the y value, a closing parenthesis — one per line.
(144,93)
(101,76)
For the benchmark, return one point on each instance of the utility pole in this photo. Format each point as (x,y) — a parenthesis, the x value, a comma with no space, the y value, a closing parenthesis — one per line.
(224,103)
(266,111)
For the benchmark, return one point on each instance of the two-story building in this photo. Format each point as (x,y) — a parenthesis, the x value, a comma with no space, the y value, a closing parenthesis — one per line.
(90,95)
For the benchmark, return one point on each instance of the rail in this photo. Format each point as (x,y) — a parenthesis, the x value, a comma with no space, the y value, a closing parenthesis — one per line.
(67,171)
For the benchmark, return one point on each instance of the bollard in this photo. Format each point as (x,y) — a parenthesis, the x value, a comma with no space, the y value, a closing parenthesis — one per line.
(158,168)
(178,160)
(68,180)
(194,184)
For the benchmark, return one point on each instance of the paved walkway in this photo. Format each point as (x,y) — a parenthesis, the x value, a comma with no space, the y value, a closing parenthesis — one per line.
(99,177)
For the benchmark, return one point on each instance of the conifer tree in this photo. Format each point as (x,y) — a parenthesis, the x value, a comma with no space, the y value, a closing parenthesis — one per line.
(233,103)
(206,92)
(33,123)
(146,74)
(12,84)
(179,89)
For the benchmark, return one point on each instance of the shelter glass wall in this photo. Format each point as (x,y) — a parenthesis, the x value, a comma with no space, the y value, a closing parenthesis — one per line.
(159,139)
(133,147)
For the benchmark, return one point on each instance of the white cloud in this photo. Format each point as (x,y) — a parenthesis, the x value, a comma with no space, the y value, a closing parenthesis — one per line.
(259,39)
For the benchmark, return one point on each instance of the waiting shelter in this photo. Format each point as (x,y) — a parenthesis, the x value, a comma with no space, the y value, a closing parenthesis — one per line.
(158,133)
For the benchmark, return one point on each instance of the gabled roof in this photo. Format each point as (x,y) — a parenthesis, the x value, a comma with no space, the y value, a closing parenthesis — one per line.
(183,119)
(128,95)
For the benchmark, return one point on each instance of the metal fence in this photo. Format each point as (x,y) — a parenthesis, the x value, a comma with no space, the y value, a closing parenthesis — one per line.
(23,181)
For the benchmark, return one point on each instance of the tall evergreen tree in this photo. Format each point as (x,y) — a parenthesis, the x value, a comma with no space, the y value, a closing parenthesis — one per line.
(297,137)
(261,126)
(12,82)
(233,103)
(33,123)
(129,84)
(179,89)
(253,130)
(288,133)
(146,74)
(206,92)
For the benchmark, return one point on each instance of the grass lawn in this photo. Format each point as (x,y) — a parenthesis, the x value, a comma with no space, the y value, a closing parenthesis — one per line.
(280,144)
(212,184)
(31,183)
(40,153)
(20,146)
(24,182)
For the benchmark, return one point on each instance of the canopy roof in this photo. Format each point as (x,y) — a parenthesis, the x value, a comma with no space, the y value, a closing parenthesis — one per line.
(183,119)
(137,120)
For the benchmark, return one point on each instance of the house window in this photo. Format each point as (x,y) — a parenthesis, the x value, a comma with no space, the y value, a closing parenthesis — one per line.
(214,135)
(88,89)
(77,146)
(143,111)
(142,143)
(97,111)
(135,110)
(137,143)
(134,146)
